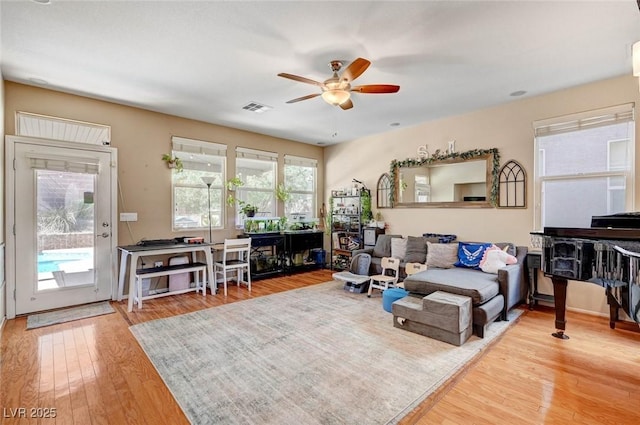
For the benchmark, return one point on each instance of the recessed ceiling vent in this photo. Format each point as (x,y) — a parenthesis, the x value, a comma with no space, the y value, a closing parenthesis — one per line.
(256,107)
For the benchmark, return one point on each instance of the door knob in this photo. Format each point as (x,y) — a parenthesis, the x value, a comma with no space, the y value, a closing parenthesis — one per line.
(104,235)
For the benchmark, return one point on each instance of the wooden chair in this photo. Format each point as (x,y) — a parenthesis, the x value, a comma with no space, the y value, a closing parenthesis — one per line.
(383,280)
(235,258)
(412,268)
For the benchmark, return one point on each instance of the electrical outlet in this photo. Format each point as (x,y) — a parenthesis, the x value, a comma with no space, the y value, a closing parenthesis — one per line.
(157,264)
(128,216)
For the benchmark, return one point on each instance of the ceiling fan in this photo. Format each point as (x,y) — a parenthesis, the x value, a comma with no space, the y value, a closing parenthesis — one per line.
(337,89)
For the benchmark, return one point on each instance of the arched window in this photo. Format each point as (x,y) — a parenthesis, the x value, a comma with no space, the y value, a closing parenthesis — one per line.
(383,195)
(513,185)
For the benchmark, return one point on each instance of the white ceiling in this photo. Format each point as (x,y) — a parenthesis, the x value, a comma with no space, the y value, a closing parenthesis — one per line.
(205,60)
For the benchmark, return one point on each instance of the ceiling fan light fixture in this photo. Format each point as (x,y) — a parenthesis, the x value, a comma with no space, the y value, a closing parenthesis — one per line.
(336,97)
(635,57)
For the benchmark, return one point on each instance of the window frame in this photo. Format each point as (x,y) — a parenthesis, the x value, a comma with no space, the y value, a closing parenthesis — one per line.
(181,147)
(242,191)
(294,161)
(573,123)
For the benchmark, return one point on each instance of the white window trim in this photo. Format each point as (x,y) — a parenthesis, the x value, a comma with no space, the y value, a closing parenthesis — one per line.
(186,145)
(304,162)
(574,122)
(258,155)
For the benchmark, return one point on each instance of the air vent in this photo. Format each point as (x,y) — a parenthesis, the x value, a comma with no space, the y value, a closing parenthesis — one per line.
(256,107)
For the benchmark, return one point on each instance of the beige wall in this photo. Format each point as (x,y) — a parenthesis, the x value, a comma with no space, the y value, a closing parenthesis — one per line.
(141,138)
(507,127)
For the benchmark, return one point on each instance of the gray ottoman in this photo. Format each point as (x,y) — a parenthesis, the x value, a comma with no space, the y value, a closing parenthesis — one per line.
(440,315)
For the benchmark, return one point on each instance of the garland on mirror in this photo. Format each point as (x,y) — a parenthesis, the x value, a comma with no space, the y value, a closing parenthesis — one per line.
(439,156)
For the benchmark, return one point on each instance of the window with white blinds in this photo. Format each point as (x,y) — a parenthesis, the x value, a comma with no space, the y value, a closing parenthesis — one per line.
(584,166)
(300,179)
(200,159)
(257,170)
(63,163)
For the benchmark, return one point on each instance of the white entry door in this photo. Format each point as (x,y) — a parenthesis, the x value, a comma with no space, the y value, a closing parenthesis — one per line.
(62,214)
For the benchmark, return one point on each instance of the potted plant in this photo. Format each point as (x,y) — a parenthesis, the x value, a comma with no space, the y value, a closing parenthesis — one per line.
(173,162)
(247,209)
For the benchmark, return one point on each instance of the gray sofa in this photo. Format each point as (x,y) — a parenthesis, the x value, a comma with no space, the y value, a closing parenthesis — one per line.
(492,296)
(416,250)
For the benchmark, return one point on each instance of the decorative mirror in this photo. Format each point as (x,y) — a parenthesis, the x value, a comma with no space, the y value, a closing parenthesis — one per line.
(513,185)
(456,179)
(383,194)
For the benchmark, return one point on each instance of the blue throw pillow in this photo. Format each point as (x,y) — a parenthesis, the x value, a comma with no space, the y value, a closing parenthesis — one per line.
(470,254)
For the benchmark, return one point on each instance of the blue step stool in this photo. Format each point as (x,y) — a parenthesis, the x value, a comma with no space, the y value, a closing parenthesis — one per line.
(390,295)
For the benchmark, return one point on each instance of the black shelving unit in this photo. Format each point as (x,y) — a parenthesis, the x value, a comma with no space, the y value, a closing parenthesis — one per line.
(346,228)
(303,250)
(267,254)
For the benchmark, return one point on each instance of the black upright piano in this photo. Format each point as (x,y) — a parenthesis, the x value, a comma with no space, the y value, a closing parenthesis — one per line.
(606,254)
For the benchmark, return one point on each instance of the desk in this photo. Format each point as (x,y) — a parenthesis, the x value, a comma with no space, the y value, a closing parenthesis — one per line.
(137,251)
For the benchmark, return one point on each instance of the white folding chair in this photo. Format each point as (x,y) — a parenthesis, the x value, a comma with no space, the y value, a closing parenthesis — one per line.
(383,280)
(235,258)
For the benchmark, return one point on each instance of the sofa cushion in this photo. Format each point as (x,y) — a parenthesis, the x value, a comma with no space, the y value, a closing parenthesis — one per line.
(470,254)
(481,287)
(398,248)
(416,250)
(383,246)
(441,255)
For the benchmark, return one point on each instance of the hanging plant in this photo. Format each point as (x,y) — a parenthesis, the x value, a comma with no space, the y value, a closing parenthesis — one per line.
(282,193)
(328,218)
(173,162)
(438,156)
(365,200)
(234,183)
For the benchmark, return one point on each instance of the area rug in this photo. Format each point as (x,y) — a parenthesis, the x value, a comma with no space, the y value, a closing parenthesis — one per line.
(316,355)
(68,314)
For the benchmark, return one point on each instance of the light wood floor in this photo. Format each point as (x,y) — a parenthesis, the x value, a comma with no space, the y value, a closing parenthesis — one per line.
(92,371)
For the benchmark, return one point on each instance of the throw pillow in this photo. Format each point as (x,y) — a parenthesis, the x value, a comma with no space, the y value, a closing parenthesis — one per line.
(398,248)
(439,237)
(416,250)
(383,246)
(495,259)
(470,254)
(507,247)
(441,255)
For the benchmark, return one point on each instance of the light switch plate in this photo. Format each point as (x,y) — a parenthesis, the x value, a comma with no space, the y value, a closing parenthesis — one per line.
(129,216)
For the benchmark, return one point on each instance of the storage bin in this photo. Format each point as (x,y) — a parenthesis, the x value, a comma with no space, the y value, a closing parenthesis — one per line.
(179,281)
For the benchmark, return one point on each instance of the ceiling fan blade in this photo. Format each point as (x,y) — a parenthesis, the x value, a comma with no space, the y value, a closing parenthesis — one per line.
(347,105)
(376,88)
(355,69)
(300,79)
(298,99)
